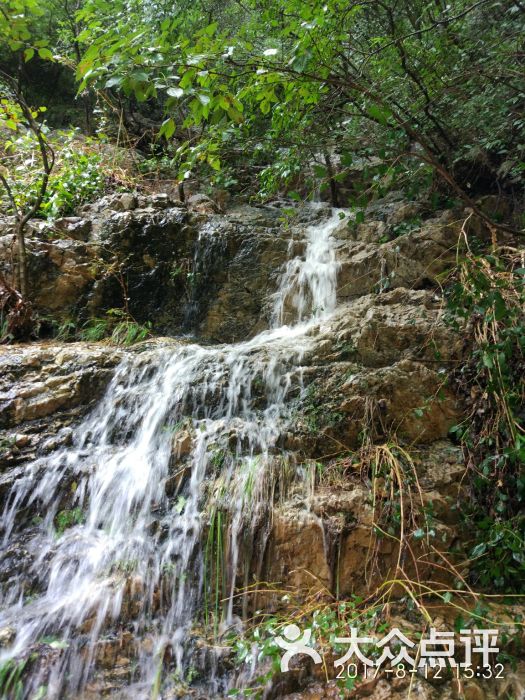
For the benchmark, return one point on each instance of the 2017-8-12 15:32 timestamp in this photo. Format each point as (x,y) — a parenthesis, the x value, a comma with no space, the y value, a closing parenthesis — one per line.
(354,671)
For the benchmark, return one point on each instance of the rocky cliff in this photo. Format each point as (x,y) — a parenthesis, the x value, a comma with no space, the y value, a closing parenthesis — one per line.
(321,452)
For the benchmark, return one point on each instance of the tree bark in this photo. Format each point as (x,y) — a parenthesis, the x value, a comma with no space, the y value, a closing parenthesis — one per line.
(334,195)
(22,259)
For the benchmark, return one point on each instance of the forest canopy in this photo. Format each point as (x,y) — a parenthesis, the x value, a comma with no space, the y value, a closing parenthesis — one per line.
(433,90)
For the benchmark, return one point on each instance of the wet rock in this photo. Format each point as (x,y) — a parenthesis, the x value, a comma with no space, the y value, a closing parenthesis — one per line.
(211,275)
(202,204)
(405,211)
(182,443)
(371,232)
(126,202)
(161,201)
(412,260)
(440,468)
(238,259)
(296,554)
(378,330)
(40,380)
(406,398)
(110,652)
(60,273)
(418,403)
(73,227)
(328,540)
(7,634)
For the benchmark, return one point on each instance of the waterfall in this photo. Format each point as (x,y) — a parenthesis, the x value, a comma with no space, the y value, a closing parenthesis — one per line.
(139,488)
(307,288)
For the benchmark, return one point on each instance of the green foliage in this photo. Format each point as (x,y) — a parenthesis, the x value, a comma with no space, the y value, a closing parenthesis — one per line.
(78,179)
(64,330)
(20,161)
(16,18)
(11,673)
(489,294)
(316,416)
(404,227)
(68,518)
(129,332)
(95,329)
(117,326)
(214,569)
(5,335)
(286,168)
(332,75)
(498,558)
(258,645)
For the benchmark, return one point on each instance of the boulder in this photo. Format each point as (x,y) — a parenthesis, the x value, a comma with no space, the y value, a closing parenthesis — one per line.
(73,227)
(202,204)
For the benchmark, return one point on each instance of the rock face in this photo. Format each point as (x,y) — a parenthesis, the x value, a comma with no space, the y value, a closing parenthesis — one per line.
(327,539)
(132,252)
(195,271)
(237,262)
(184,270)
(45,388)
(370,404)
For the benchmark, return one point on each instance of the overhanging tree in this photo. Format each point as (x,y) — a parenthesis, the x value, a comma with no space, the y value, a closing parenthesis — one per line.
(17,116)
(426,81)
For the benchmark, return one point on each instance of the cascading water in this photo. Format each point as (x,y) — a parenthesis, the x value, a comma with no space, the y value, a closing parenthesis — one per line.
(308,286)
(135,557)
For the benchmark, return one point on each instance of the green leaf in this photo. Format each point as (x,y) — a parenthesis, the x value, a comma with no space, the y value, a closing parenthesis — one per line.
(214,162)
(187,79)
(28,54)
(140,76)
(58,644)
(45,54)
(210,29)
(113,82)
(175,92)
(167,129)
(478,550)
(379,114)
(487,360)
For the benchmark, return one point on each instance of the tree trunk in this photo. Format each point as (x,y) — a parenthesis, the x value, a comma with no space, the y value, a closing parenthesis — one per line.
(22,259)
(334,195)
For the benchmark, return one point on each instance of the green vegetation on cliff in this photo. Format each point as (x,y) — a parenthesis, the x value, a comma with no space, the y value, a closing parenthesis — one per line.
(115,117)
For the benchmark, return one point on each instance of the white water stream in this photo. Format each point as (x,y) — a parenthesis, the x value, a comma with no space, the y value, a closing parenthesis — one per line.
(136,554)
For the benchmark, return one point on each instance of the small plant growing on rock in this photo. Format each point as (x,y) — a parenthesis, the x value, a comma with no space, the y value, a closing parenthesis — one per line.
(68,518)
(11,684)
(118,327)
